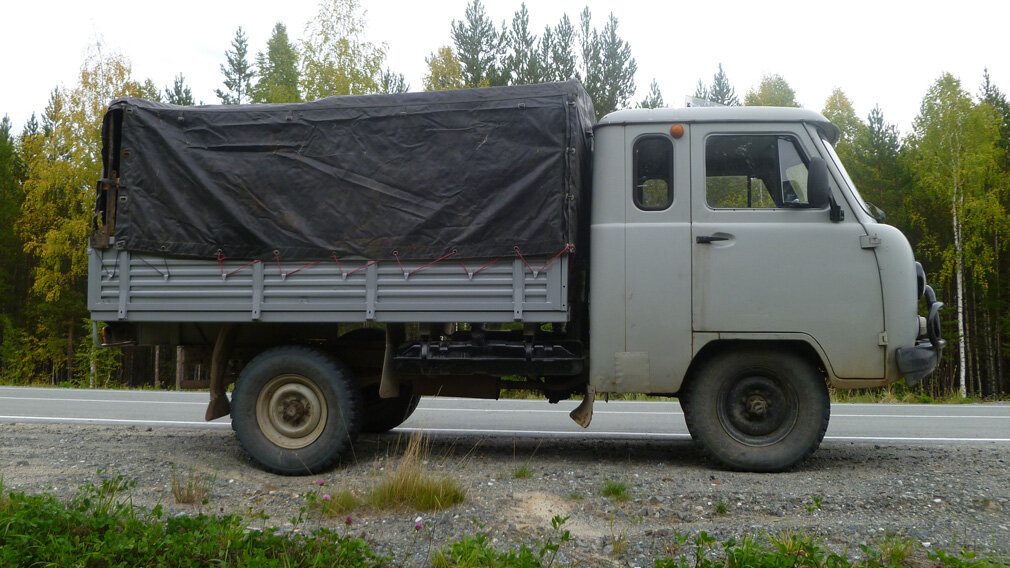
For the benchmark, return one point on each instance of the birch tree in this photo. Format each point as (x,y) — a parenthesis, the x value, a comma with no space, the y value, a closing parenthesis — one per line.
(955,156)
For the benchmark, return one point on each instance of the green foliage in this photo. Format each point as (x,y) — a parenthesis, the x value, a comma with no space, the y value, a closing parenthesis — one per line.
(608,70)
(772,91)
(390,82)
(558,61)
(478,48)
(838,109)
(238,73)
(477,551)
(654,99)
(720,91)
(522,472)
(278,70)
(179,93)
(336,57)
(522,64)
(99,527)
(331,502)
(444,71)
(616,490)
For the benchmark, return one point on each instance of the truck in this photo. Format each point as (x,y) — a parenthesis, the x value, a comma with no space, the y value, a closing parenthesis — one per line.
(339,259)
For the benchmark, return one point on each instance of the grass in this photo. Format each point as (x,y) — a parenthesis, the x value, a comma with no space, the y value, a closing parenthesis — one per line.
(522,472)
(330,503)
(99,526)
(721,508)
(192,487)
(412,486)
(616,490)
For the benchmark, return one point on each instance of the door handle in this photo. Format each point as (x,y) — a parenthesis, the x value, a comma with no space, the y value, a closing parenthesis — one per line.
(705,239)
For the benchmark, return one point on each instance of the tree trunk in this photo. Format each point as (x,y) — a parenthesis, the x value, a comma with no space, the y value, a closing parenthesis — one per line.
(70,350)
(959,280)
(157,367)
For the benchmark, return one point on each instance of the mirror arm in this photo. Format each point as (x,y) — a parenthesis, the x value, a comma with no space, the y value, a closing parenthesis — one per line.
(835,212)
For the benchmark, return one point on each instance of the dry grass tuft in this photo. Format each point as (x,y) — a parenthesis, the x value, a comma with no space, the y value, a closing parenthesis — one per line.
(411,485)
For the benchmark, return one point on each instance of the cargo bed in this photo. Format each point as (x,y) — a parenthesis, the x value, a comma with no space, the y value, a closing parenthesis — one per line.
(139,287)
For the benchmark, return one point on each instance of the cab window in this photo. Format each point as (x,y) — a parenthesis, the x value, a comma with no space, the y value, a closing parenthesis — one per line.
(754,171)
(652,181)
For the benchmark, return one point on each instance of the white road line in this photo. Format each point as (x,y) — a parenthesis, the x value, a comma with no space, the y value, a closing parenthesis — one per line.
(648,435)
(678,413)
(114,421)
(100,400)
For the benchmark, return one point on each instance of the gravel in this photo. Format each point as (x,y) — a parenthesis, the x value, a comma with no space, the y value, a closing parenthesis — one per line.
(846,494)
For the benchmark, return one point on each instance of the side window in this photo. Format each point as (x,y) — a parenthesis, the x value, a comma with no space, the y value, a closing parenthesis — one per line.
(652,181)
(759,171)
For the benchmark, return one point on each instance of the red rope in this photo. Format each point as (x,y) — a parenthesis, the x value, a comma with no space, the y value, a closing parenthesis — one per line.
(220,262)
(337,260)
(516,248)
(443,257)
(242,267)
(297,270)
(479,270)
(280,272)
(360,268)
(568,247)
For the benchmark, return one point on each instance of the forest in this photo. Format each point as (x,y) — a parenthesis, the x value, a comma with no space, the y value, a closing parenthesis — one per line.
(944,184)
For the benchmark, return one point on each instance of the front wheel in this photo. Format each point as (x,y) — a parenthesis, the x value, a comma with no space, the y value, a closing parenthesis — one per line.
(757,409)
(296,410)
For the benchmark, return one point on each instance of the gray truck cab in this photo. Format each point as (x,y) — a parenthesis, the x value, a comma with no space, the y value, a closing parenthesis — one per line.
(735,233)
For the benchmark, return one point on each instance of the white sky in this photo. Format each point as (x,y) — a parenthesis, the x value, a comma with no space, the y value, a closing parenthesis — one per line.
(882,52)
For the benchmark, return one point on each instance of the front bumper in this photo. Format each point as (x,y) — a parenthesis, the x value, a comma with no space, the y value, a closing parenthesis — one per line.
(920,360)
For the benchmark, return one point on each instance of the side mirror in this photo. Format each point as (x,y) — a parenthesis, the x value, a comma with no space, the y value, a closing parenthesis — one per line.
(819,189)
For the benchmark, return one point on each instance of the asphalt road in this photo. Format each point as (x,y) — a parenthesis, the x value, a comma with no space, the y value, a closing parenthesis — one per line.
(911,423)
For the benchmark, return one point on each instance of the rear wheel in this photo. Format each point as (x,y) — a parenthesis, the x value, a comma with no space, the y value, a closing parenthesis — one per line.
(296,410)
(365,348)
(757,409)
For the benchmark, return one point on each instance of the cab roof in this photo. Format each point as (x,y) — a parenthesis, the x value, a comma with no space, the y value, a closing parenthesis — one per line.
(722,114)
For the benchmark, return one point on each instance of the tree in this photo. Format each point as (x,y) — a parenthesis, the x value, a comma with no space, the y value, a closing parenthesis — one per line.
(955,156)
(558,61)
(608,70)
(479,48)
(522,63)
(701,91)
(336,59)
(838,109)
(444,71)
(393,82)
(278,70)
(238,73)
(654,99)
(179,93)
(721,91)
(772,91)
(14,276)
(62,161)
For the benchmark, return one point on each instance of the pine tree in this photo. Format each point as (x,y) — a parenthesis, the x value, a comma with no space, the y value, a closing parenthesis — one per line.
(278,70)
(557,52)
(238,73)
(721,91)
(179,93)
(522,62)
(608,68)
(654,99)
(479,48)
(391,82)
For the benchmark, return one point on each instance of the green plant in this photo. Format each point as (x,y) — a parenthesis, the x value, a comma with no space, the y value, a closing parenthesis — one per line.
(815,504)
(721,508)
(575,496)
(890,550)
(522,472)
(618,541)
(410,485)
(477,552)
(333,503)
(193,487)
(616,490)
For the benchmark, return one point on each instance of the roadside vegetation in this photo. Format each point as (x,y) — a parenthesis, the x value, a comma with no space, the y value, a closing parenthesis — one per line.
(99,526)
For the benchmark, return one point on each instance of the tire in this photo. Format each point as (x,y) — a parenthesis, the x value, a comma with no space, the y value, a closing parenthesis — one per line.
(383,414)
(378,414)
(296,410)
(757,409)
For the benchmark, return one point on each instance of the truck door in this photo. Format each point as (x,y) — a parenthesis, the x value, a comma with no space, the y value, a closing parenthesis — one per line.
(657,272)
(765,264)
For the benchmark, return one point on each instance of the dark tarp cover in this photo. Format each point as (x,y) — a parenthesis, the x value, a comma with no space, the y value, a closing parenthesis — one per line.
(479,171)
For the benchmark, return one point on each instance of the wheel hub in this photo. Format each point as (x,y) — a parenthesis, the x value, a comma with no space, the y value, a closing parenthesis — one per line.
(290,411)
(757,410)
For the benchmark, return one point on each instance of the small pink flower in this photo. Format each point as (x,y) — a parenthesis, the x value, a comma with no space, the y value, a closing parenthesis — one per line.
(348,520)
(320,482)
(326,496)
(418,526)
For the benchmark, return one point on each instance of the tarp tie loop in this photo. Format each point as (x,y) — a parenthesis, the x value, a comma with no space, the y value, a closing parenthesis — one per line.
(470,275)
(220,262)
(396,255)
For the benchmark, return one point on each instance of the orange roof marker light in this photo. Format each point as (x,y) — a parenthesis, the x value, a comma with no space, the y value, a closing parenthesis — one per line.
(676,130)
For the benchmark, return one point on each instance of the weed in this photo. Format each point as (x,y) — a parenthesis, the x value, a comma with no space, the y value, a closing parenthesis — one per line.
(618,541)
(411,485)
(815,505)
(890,550)
(721,508)
(330,504)
(477,552)
(616,490)
(522,472)
(192,487)
(575,496)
